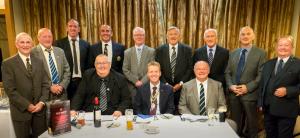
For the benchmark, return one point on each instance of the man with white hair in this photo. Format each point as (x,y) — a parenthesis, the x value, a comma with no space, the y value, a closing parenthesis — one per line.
(176,62)
(214,54)
(136,59)
(27,88)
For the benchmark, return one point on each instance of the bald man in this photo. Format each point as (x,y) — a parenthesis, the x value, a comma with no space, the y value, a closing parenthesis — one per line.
(114,51)
(55,64)
(201,92)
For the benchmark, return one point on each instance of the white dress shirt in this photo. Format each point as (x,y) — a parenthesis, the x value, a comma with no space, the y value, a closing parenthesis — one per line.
(46,54)
(171,51)
(79,74)
(205,89)
(109,50)
(23,57)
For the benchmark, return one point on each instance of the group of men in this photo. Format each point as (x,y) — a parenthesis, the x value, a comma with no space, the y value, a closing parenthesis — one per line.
(169,79)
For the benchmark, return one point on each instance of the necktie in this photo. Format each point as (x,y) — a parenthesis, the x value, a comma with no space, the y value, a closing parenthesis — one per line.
(153,101)
(279,66)
(202,101)
(75,56)
(105,49)
(139,54)
(241,65)
(173,62)
(28,66)
(54,74)
(210,56)
(103,97)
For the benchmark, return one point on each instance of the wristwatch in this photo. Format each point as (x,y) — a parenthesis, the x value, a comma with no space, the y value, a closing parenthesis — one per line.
(181,83)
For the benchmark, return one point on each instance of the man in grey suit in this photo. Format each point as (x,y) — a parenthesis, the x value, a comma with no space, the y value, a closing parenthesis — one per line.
(191,100)
(55,64)
(27,88)
(242,76)
(136,59)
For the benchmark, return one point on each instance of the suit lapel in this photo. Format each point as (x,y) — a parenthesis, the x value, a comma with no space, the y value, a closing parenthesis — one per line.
(68,53)
(284,70)
(270,69)
(236,58)
(162,95)
(210,87)
(41,54)
(195,90)
(178,57)
(22,65)
(58,62)
(147,94)
(143,57)
(167,59)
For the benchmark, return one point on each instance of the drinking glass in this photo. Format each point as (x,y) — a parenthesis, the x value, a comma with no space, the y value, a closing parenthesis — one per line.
(129,119)
(211,116)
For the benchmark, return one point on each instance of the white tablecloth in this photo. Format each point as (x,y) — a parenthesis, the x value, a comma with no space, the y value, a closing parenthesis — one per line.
(174,128)
(6,127)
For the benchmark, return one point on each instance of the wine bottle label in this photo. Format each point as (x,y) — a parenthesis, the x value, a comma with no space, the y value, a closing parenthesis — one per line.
(98,115)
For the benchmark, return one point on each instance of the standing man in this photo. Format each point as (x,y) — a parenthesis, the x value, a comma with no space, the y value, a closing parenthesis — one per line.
(55,64)
(154,97)
(201,93)
(176,63)
(76,51)
(136,59)
(106,46)
(27,87)
(242,77)
(215,55)
(279,91)
(106,84)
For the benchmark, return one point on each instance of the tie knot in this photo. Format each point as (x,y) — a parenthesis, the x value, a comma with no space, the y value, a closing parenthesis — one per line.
(244,51)
(73,40)
(173,48)
(154,88)
(210,50)
(139,49)
(201,85)
(105,45)
(48,50)
(281,60)
(27,59)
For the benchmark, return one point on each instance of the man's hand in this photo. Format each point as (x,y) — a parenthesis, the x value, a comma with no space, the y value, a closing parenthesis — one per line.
(138,83)
(280,92)
(242,89)
(234,89)
(117,114)
(176,87)
(73,113)
(56,89)
(38,107)
(31,108)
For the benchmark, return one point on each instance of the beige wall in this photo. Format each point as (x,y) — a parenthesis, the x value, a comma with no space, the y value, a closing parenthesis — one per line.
(295,23)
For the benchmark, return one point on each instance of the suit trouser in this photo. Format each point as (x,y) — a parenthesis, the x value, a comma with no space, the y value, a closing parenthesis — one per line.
(242,111)
(279,127)
(72,88)
(30,128)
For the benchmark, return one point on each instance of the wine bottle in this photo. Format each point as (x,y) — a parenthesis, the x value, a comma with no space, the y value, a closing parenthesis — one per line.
(97,113)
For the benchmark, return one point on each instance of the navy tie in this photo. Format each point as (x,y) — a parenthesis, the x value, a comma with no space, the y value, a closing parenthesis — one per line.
(54,74)
(279,67)
(241,65)
(210,56)
(202,100)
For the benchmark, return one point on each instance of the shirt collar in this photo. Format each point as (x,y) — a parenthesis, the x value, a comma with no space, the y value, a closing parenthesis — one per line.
(139,47)
(176,46)
(44,48)
(203,83)
(109,43)
(23,57)
(152,85)
(70,38)
(284,59)
(214,48)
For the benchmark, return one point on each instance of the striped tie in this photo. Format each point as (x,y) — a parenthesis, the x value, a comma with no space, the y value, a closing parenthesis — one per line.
(173,62)
(28,66)
(139,54)
(103,99)
(105,50)
(210,56)
(202,100)
(54,74)
(240,67)
(279,66)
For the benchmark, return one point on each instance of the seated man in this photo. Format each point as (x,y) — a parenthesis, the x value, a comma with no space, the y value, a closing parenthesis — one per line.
(108,85)
(201,93)
(154,97)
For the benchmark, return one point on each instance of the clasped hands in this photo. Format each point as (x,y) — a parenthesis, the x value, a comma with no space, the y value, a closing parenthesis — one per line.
(239,89)
(56,89)
(35,108)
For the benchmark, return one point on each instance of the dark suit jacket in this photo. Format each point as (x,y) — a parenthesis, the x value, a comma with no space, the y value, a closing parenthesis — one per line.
(118,95)
(142,103)
(251,74)
(83,48)
(183,67)
(117,58)
(219,64)
(24,89)
(289,77)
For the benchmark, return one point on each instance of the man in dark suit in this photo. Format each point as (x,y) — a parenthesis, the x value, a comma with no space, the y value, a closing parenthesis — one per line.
(27,87)
(55,64)
(106,46)
(176,63)
(76,51)
(215,55)
(242,77)
(154,97)
(108,85)
(279,91)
